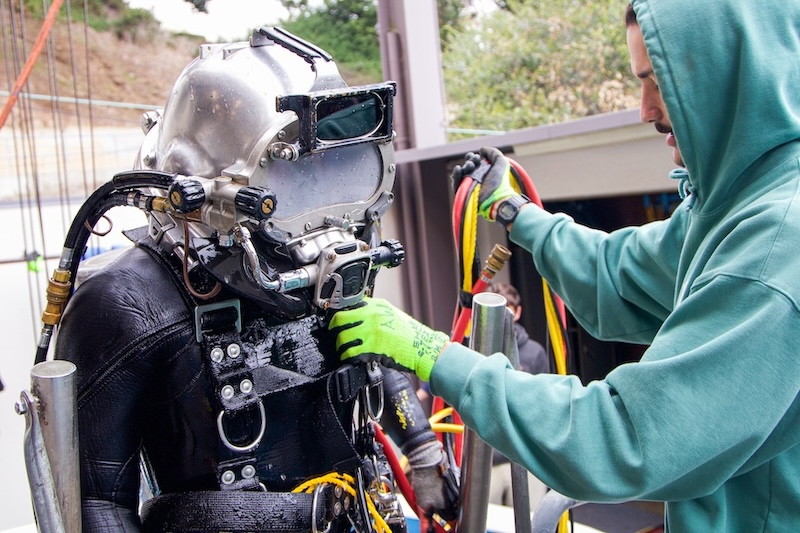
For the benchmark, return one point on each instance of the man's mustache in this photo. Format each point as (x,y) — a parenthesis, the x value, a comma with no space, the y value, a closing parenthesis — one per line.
(661,128)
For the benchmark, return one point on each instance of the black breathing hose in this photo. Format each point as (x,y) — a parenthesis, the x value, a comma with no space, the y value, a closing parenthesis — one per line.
(111,194)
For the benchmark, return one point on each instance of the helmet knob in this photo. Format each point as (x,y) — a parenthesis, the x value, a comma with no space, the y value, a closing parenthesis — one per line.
(186,195)
(256,202)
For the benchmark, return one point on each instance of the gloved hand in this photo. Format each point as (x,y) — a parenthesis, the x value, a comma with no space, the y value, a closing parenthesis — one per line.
(471,162)
(496,185)
(378,331)
(434,483)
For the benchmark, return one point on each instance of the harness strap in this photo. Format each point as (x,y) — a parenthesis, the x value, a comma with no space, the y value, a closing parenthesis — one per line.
(218,328)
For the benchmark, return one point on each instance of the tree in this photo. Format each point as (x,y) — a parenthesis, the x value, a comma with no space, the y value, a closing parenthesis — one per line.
(450,18)
(533,63)
(359,53)
(346,29)
(526,63)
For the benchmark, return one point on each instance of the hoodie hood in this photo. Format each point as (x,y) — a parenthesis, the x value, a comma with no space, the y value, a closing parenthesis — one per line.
(722,70)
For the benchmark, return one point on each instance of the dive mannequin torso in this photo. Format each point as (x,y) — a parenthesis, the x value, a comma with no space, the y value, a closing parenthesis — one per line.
(147,384)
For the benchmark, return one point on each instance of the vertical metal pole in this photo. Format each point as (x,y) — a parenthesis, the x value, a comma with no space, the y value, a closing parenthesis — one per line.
(519,475)
(520,498)
(40,477)
(489,318)
(53,383)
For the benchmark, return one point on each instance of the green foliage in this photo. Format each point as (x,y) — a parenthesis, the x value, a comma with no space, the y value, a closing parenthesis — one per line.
(533,63)
(343,28)
(526,63)
(450,18)
(134,24)
(346,29)
(101,15)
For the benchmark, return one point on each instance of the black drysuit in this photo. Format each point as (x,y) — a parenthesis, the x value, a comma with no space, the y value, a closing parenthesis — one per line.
(146,383)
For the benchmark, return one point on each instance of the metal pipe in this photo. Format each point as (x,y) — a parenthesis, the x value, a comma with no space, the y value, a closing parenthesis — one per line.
(54,385)
(520,491)
(489,317)
(85,101)
(548,514)
(40,477)
(520,498)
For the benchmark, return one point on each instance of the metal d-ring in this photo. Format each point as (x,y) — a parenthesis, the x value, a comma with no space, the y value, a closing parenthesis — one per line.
(250,447)
(374,415)
(317,490)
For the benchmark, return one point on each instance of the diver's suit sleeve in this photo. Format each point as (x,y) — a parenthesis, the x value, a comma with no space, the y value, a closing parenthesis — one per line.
(434,483)
(404,419)
(119,328)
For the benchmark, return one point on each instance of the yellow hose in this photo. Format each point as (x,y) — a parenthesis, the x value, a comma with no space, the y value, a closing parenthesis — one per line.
(345,481)
(447,428)
(438,417)
(470,230)
(554,328)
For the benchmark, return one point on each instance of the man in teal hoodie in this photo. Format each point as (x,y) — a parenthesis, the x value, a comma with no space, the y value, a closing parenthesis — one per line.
(709,419)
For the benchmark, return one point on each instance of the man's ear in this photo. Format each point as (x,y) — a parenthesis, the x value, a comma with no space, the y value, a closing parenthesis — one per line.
(517,313)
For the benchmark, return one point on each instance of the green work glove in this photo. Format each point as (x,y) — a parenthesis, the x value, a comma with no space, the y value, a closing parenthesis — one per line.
(496,185)
(378,331)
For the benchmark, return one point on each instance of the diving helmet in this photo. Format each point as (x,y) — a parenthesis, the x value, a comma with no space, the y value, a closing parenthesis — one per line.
(280,172)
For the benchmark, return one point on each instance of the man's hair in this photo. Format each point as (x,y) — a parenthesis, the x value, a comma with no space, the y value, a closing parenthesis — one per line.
(630,17)
(504,289)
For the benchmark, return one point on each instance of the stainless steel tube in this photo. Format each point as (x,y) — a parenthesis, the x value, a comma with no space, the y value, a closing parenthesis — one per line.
(520,498)
(40,477)
(489,323)
(519,475)
(54,385)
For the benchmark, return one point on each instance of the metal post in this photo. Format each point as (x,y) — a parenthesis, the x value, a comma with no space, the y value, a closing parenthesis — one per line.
(520,498)
(489,322)
(520,491)
(40,477)
(52,445)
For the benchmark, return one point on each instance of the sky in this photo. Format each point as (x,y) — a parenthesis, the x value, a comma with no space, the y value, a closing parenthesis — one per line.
(227,20)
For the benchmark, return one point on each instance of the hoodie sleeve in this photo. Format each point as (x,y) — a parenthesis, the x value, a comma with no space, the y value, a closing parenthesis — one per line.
(632,270)
(626,437)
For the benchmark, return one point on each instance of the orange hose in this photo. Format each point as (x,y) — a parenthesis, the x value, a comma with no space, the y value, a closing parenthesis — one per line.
(38,46)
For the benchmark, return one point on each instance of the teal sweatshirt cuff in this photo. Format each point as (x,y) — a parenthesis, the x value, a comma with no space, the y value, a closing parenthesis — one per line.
(530,217)
(451,372)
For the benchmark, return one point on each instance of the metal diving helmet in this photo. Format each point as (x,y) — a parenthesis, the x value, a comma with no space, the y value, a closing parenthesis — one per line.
(282,172)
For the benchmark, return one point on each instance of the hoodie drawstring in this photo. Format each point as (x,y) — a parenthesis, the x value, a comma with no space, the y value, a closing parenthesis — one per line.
(685,187)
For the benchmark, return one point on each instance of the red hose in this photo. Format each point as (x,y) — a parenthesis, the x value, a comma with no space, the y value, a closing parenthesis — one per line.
(38,46)
(399,475)
(530,191)
(466,314)
(458,207)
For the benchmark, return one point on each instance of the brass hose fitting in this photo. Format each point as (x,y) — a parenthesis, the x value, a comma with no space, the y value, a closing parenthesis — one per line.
(495,262)
(58,290)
